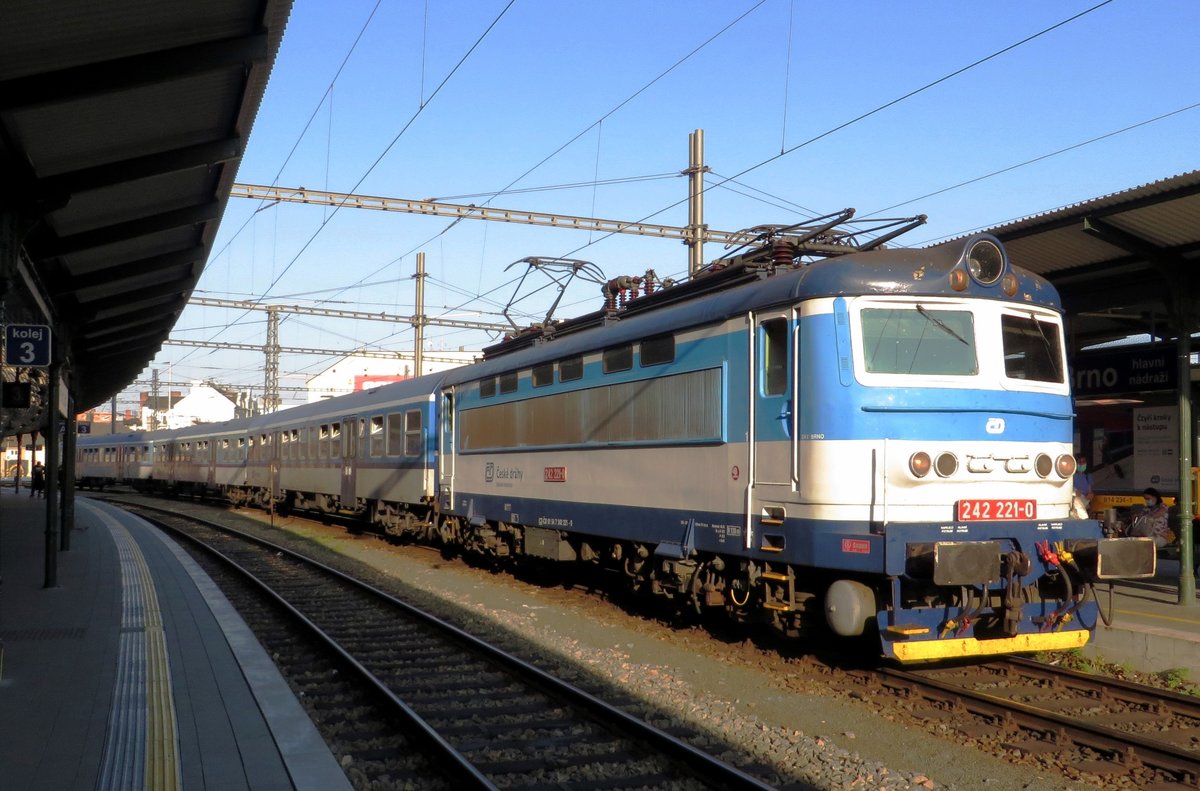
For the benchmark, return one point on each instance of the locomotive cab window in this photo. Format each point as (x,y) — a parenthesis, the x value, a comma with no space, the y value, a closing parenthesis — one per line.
(1032,349)
(618,358)
(919,341)
(774,352)
(659,350)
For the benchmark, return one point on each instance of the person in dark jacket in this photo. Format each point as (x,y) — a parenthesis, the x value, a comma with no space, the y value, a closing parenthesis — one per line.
(37,483)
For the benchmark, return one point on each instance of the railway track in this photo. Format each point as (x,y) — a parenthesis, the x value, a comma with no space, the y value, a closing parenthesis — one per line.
(428,705)
(1125,735)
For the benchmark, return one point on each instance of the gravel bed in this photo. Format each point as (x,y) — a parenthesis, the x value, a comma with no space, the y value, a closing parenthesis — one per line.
(730,697)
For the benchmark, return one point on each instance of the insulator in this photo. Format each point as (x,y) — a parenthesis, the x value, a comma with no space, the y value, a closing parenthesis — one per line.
(782,253)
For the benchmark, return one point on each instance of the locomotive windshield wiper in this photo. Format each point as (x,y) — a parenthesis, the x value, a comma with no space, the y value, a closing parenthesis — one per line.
(1051,352)
(943,325)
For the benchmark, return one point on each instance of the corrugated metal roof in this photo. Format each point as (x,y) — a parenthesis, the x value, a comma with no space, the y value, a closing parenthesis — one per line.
(122,124)
(1123,254)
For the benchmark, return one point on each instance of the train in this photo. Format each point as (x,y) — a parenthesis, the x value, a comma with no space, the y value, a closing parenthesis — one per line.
(876,445)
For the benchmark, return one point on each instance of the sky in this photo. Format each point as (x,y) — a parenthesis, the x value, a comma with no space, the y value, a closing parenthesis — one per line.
(461,99)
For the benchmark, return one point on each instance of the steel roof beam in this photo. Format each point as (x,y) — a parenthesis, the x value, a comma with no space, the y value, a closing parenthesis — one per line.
(123,232)
(140,324)
(1129,242)
(63,185)
(135,71)
(110,275)
(165,298)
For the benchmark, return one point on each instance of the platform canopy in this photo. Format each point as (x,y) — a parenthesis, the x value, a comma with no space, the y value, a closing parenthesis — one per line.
(1125,264)
(122,124)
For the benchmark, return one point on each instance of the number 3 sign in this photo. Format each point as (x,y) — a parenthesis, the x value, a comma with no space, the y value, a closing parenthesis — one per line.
(27,345)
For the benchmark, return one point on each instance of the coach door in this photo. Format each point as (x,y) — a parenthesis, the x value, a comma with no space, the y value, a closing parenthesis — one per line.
(773,475)
(446,451)
(275,450)
(349,465)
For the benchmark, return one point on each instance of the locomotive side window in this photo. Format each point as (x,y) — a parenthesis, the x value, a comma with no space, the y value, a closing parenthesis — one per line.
(570,369)
(623,412)
(543,375)
(774,356)
(377,435)
(921,341)
(508,382)
(1032,349)
(487,387)
(659,350)
(618,358)
(395,434)
(413,435)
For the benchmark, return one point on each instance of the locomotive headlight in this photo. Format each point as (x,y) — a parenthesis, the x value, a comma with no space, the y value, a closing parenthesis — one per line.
(1065,466)
(1008,284)
(1043,465)
(985,262)
(919,463)
(947,464)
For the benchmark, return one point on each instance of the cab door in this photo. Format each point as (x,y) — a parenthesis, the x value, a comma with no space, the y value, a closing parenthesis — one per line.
(349,495)
(774,420)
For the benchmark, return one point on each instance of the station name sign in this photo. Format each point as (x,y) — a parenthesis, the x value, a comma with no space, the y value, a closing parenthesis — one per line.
(27,345)
(1133,370)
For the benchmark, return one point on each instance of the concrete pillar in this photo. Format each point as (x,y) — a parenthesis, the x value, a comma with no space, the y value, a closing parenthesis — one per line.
(53,422)
(68,486)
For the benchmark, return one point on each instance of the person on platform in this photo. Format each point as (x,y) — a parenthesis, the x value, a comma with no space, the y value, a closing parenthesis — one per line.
(37,480)
(1083,488)
(1153,520)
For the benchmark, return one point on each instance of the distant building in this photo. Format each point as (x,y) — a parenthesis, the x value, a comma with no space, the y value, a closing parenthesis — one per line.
(355,372)
(154,409)
(204,403)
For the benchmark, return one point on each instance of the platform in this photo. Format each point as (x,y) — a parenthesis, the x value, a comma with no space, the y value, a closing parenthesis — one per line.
(136,672)
(1151,631)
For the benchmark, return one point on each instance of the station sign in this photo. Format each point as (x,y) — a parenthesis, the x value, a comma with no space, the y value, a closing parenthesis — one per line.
(1133,370)
(27,345)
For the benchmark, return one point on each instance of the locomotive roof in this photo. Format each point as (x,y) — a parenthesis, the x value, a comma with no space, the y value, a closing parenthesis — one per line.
(913,272)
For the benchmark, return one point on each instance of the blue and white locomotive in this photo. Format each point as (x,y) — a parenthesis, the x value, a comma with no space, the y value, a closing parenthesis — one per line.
(878,442)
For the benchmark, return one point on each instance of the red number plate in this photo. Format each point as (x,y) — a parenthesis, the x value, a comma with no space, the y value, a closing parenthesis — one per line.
(985,510)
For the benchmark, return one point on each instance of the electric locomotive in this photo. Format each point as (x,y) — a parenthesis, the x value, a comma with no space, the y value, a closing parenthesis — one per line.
(875,443)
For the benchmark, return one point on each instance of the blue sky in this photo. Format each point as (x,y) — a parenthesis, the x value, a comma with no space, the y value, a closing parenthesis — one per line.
(788,71)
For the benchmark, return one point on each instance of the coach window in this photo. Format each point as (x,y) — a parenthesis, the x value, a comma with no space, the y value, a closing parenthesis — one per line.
(543,375)
(487,387)
(659,350)
(395,434)
(336,441)
(618,358)
(323,443)
(508,383)
(774,356)
(413,436)
(377,435)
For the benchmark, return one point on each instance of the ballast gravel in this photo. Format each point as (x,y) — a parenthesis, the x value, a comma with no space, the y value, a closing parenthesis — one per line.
(679,679)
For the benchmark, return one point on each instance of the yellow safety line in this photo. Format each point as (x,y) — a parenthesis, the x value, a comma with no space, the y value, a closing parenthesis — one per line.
(1192,621)
(162,754)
